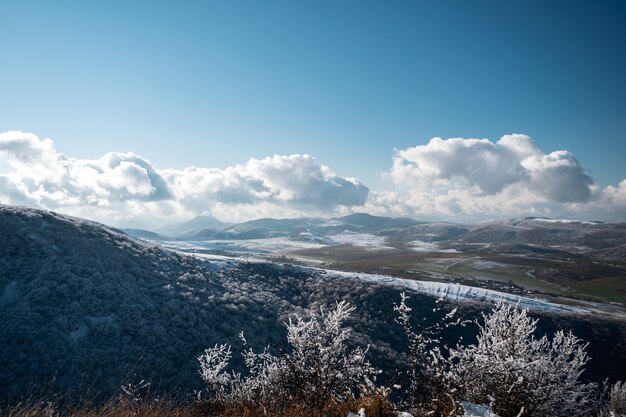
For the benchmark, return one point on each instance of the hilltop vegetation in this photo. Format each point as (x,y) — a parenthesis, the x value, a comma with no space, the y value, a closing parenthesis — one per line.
(85,307)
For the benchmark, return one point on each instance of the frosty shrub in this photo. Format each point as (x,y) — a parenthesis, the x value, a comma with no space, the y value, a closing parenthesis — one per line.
(429,390)
(615,403)
(319,367)
(517,374)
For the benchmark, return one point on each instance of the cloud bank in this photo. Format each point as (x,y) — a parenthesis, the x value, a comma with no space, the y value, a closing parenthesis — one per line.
(470,179)
(454,179)
(124,187)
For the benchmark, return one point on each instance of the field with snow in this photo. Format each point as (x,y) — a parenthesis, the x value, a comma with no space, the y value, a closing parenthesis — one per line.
(85,305)
(563,277)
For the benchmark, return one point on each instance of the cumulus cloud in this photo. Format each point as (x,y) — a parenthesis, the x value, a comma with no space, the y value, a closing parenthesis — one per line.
(478,162)
(454,179)
(476,178)
(54,180)
(296,180)
(124,187)
(559,177)
(25,148)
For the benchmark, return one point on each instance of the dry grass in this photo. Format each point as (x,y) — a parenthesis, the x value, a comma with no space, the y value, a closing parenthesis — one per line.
(110,409)
(374,406)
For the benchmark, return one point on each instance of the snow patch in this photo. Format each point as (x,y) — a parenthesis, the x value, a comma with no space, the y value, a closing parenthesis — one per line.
(567,221)
(365,240)
(486,265)
(79,333)
(475,410)
(458,292)
(9,294)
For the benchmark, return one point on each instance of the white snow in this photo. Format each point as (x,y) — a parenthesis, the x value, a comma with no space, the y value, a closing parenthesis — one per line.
(365,240)
(282,244)
(460,292)
(277,244)
(273,245)
(79,333)
(423,246)
(486,265)
(564,221)
(470,410)
(475,410)
(332,223)
(9,293)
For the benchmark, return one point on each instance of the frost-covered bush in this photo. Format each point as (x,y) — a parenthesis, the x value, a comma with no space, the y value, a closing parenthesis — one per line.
(512,371)
(614,404)
(318,368)
(429,387)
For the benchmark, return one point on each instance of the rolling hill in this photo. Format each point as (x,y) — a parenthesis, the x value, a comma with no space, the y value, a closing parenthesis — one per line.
(85,307)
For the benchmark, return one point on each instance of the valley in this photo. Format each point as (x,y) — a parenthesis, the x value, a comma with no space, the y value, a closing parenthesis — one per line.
(568,262)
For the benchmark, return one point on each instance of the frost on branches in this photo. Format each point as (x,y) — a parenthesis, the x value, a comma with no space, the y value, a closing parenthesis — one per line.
(430,389)
(517,374)
(615,401)
(319,367)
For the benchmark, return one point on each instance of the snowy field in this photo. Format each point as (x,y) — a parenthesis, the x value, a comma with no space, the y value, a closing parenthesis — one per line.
(365,240)
(447,290)
(423,246)
(278,245)
(458,292)
(253,250)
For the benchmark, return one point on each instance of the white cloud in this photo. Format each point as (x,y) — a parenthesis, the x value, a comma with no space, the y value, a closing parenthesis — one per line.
(26,149)
(471,179)
(455,179)
(294,180)
(559,177)
(479,163)
(123,188)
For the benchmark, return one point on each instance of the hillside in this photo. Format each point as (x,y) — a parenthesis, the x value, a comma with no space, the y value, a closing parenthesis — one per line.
(84,306)
(580,236)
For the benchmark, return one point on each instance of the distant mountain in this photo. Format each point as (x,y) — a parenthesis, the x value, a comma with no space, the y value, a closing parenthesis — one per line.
(257,229)
(429,232)
(522,235)
(375,222)
(143,234)
(528,234)
(196,224)
(269,228)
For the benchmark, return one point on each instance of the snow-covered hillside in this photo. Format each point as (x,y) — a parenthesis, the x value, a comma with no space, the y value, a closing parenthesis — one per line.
(85,305)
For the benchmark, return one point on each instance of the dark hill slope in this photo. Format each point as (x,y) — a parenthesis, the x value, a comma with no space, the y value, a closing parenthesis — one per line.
(84,306)
(84,303)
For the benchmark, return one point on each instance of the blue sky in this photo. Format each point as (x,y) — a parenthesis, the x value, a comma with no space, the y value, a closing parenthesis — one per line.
(212,84)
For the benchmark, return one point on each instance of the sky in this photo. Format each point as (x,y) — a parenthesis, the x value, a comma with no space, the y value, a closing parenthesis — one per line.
(139,113)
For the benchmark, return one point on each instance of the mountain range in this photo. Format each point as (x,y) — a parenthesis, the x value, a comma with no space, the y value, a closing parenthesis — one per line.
(208,227)
(524,235)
